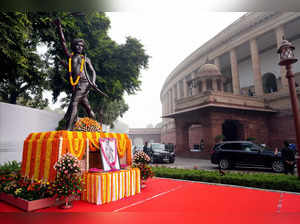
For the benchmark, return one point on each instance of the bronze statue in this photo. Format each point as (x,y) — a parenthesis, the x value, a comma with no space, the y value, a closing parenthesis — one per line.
(78,77)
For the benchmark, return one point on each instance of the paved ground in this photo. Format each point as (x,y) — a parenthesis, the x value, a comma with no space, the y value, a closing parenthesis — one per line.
(204,164)
(190,163)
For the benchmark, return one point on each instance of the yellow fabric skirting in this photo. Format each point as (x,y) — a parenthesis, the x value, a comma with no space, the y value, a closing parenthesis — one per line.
(101,188)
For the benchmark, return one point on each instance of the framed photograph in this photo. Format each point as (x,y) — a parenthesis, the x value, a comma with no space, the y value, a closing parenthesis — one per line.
(109,154)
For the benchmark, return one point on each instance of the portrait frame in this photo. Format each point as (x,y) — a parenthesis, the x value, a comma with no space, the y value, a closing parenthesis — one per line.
(109,154)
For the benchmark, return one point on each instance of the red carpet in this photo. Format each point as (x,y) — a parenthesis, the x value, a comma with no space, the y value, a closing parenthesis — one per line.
(174,201)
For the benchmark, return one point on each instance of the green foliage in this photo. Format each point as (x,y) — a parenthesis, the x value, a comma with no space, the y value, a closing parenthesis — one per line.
(146,170)
(9,167)
(68,178)
(219,138)
(258,180)
(108,110)
(61,125)
(25,74)
(252,139)
(117,66)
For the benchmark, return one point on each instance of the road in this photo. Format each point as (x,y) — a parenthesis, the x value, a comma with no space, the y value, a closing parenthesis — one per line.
(204,164)
(190,163)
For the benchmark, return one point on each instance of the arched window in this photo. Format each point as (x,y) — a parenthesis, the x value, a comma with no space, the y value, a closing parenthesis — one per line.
(219,83)
(190,88)
(269,83)
(200,86)
(209,84)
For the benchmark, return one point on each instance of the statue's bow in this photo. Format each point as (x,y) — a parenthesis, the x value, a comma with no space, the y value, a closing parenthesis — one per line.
(92,84)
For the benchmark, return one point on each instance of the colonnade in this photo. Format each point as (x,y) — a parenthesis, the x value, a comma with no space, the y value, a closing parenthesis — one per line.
(184,87)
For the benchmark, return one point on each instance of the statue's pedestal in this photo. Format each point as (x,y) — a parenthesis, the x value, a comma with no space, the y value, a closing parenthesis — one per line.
(42,150)
(104,187)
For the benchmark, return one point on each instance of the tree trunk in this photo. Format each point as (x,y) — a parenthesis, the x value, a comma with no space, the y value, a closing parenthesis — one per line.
(13,98)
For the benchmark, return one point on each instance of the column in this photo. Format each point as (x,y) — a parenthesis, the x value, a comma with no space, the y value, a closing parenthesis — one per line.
(170,101)
(174,97)
(217,63)
(235,72)
(256,68)
(182,136)
(204,85)
(193,85)
(222,85)
(279,35)
(185,88)
(163,106)
(178,90)
(167,102)
(214,85)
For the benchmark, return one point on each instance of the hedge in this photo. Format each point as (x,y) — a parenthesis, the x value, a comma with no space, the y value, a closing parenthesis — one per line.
(258,180)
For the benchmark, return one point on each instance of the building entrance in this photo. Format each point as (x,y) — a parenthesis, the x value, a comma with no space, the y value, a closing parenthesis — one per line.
(232,130)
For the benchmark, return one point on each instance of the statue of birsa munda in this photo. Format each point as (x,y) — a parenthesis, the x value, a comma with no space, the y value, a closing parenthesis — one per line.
(78,77)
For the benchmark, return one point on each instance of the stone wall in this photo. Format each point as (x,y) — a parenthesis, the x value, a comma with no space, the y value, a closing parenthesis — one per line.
(281,128)
(16,123)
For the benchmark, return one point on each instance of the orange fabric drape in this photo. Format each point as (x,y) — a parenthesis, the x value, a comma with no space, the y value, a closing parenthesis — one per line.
(41,150)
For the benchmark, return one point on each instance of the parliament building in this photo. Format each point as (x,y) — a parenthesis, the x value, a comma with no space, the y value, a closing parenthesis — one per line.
(233,87)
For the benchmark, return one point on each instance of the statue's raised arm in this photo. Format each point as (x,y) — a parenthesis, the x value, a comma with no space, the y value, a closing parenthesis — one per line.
(62,37)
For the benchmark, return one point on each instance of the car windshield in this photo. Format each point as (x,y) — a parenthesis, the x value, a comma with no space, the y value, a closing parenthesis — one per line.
(158,146)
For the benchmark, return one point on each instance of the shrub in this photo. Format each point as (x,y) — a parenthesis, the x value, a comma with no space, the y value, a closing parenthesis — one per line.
(27,189)
(68,180)
(10,166)
(261,180)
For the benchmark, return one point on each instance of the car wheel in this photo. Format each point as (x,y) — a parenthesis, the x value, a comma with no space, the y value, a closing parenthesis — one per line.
(277,166)
(224,164)
(171,160)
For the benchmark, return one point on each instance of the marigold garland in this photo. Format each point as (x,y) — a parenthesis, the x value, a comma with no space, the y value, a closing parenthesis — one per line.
(41,150)
(70,70)
(76,82)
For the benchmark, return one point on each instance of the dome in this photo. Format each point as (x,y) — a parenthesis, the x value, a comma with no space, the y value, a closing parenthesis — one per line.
(209,69)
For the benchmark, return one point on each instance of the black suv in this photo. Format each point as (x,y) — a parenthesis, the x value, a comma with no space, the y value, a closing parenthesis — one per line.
(161,153)
(244,153)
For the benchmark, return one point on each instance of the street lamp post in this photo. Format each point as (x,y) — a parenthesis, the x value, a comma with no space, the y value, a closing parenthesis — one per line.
(287,58)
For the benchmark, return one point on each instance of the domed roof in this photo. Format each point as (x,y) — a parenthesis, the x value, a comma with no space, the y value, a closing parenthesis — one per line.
(209,69)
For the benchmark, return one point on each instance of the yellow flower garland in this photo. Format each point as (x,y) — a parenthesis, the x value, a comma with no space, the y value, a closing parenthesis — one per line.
(70,70)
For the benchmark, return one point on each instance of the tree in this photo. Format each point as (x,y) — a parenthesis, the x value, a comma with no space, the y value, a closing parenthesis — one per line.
(118,67)
(22,77)
(158,125)
(120,127)
(24,74)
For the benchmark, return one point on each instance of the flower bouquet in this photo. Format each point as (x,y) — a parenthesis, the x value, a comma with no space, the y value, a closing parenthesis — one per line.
(141,157)
(141,160)
(87,124)
(68,179)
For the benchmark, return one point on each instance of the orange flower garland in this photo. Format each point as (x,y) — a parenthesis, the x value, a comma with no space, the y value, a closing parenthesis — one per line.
(70,70)
(41,150)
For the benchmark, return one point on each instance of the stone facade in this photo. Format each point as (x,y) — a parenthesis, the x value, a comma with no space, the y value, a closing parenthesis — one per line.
(244,94)
(141,135)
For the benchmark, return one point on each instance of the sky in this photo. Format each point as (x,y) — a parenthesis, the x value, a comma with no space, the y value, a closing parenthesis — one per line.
(168,38)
